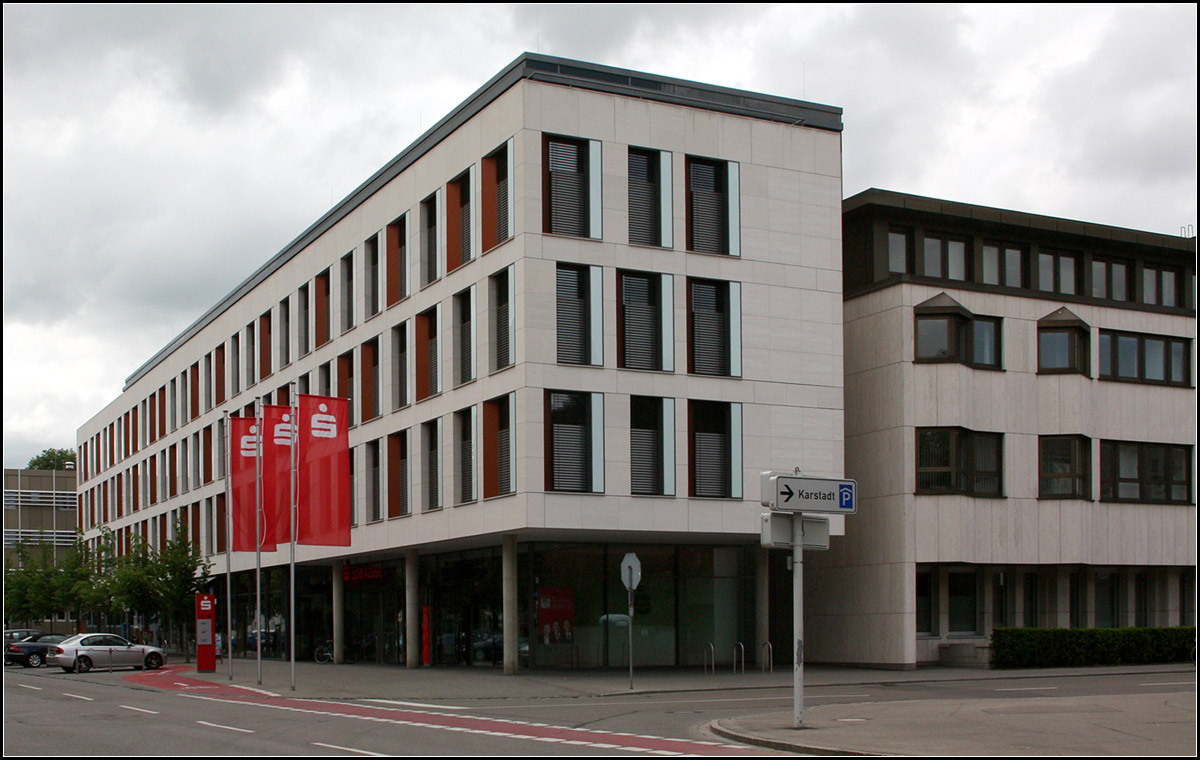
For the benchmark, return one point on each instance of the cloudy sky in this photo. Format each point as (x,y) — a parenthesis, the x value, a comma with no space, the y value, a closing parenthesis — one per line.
(155,156)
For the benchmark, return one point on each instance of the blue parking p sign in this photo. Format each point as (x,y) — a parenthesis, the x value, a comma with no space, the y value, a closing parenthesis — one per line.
(846,497)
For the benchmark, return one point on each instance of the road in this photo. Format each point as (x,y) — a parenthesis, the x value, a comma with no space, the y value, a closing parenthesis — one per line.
(166,712)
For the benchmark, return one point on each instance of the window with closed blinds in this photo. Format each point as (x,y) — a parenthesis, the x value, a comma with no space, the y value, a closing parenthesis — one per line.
(464,336)
(430,434)
(711,444)
(396,260)
(464,424)
(494,197)
(574,315)
(568,441)
(397,473)
(645,213)
(646,445)
(427,354)
(429,240)
(501,327)
(639,328)
(458,222)
(566,187)
(400,365)
(708,327)
(371,278)
(374,484)
(497,446)
(707,206)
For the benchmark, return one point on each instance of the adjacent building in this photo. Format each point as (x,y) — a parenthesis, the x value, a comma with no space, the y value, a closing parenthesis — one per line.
(1021,422)
(39,518)
(574,320)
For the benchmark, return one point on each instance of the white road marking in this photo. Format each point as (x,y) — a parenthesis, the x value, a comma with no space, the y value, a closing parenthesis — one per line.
(139,709)
(1170,683)
(227,728)
(1031,688)
(27,686)
(76,696)
(414,704)
(349,749)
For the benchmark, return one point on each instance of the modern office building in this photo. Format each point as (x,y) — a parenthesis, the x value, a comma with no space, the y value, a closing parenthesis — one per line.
(39,516)
(1021,422)
(575,319)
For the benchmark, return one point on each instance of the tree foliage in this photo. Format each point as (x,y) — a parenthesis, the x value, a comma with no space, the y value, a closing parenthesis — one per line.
(52,459)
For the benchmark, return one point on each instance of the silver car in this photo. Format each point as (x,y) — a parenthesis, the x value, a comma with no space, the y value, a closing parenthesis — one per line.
(106,651)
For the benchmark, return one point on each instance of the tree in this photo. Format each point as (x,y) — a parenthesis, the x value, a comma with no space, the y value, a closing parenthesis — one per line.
(53,459)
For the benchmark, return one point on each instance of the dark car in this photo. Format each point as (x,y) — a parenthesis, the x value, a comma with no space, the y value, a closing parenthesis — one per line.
(31,652)
(16,634)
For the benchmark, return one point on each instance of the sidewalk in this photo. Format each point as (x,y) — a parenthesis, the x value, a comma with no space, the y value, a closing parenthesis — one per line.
(1161,723)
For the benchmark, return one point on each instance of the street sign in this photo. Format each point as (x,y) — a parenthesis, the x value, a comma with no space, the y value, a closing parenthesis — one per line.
(792,493)
(631,571)
(777,530)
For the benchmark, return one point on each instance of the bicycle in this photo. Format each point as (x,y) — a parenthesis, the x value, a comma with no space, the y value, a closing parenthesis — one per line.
(323,654)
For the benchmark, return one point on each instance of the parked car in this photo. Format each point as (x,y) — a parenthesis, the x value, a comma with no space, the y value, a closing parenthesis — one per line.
(31,652)
(16,634)
(104,650)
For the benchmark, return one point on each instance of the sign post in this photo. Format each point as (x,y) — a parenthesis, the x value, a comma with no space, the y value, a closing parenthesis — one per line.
(631,575)
(206,645)
(788,526)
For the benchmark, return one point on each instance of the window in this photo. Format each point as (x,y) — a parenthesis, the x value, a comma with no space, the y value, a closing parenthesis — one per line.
(1145,358)
(1064,344)
(251,374)
(502,317)
(374,482)
(498,455)
(649,197)
(926,599)
(579,321)
(962,598)
(945,257)
(496,197)
(464,455)
(714,449)
(574,441)
(369,379)
(712,206)
(955,460)
(644,321)
(400,375)
(431,434)
(324,327)
(958,336)
(1064,467)
(1110,279)
(285,332)
(464,336)
(652,445)
(371,275)
(458,222)
(1032,599)
(235,373)
(218,376)
(395,242)
(1145,472)
(347,291)
(428,378)
(900,251)
(1058,272)
(264,350)
(571,186)
(429,240)
(302,319)
(714,327)
(1160,286)
(398,474)
(345,382)
(1003,264)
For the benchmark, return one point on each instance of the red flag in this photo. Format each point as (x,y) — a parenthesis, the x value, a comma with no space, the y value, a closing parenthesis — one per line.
(277,474)
(324,479)
(242,488)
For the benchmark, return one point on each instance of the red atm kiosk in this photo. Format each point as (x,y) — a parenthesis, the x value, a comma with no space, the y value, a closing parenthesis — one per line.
(206,626)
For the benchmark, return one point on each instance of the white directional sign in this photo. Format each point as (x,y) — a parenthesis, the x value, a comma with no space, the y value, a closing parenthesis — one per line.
(792,493)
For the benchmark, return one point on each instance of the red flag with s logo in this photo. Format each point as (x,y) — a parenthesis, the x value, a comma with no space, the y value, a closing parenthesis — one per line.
(324,504)
(243,467)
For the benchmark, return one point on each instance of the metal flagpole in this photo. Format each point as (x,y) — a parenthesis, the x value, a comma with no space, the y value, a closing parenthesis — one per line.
(258,526)
(228,643)
(292,532)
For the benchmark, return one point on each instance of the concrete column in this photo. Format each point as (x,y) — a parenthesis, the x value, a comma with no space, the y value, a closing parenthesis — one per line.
(412,611)
(762,604)
(508,580)
(1059,614)
(339,614)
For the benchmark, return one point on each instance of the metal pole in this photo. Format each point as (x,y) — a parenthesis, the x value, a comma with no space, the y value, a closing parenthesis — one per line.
(258,526)
(629,586)
(292,532)
(798,619)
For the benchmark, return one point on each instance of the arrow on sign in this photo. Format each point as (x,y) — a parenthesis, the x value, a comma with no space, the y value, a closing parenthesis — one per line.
(788,491)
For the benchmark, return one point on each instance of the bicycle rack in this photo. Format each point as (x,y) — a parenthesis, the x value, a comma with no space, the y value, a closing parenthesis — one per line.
(709,650)
(738,648)
(769,660)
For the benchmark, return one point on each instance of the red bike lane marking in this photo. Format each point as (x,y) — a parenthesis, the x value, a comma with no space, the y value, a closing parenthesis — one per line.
(168,678)
(495,726)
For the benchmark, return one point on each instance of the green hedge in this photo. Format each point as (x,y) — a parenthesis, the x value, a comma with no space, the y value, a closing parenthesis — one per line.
(1076,647)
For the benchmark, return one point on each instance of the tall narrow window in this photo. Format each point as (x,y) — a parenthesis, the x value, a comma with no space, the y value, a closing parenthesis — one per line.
(348,291)
(464,455)
(651,445)
(431,455)
(251,356)
(458,222)
(324,327)
(427,356)
(374,482)
(345,382)
(574,449)
(566,185)
(396,260)
(496,197)
(371,275)
(398,474)
(641,319)
(899,251)
(400,391)
(649,197)
(714,330)
(430,245)
(302,319)
(264,350)
(235,369)
(369,379)
(714,449)
(218,376)
(578,323)
(285,332)
(464,336)
(708,206)
(501,325)
(497,447)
